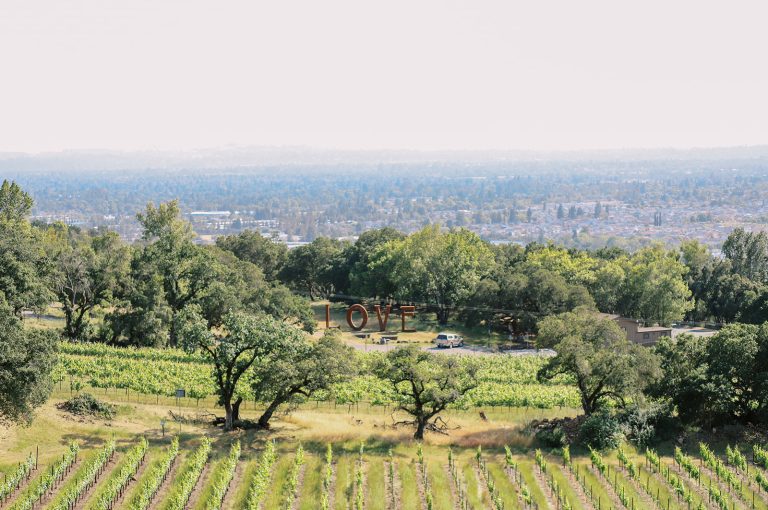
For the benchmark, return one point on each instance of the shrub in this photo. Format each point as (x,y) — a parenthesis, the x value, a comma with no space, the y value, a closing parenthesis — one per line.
(86,404)
(552,437)
(601,431)
(645,425)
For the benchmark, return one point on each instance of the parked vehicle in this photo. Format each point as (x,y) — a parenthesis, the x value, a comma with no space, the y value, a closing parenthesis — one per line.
(449,340)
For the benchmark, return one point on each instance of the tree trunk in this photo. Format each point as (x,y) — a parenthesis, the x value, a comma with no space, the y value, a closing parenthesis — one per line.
(236,409)
(228,421)
(442,316)
(68,326)
(421,424)
(267,415)
(172,332)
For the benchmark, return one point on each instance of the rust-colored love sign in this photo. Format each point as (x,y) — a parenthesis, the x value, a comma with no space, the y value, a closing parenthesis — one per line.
(405,311)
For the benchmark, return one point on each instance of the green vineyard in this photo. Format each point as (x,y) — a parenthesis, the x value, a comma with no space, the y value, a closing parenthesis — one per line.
(202,474)
(508,381)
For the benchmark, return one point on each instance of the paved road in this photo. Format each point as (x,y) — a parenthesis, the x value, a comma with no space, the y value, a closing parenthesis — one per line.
(466,350)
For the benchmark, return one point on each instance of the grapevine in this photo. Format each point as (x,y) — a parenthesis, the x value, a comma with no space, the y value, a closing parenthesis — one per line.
(503,380)
(653,459)
(189,479)
(46,482)
(117,482)
(563,502)
(687,463)
(498,503)
(628,464)
(325,498)
(293,478)
(458,482)
(512,469)
(762,481)
(13,481)
(711,460)
(223,478)
(735,457)
(359,480)
(152,484)
(422,472)
(90,474)
(261,478)
(760,456)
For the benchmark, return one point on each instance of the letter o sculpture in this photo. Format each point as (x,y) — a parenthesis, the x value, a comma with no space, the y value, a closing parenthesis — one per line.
(363,312)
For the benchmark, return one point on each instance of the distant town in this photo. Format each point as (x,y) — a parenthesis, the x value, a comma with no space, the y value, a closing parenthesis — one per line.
(580,200)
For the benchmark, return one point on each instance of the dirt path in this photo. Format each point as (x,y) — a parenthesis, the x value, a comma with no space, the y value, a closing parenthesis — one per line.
(105,474)
(231,495)
(615,501)
(198,490)
(577,488)
(541,481)
(165,487)
(420,485)
(299,487)
(481,487)
(466,350)
(391,487)
(452,486)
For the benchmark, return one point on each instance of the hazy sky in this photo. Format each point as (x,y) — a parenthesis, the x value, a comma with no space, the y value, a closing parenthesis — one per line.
(416,74)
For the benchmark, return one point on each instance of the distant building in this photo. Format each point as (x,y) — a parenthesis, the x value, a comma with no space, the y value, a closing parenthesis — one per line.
(638,333)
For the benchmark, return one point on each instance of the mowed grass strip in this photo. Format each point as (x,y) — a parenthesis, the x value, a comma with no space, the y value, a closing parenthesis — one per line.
(376,498)
(185,470)
(343,488)
(274,498)
(206,492)
(409,496)
(621,481)
(240,495)
(476,495)
(440,485)
(526,465)
(667,497)
(311,489)
(507,491)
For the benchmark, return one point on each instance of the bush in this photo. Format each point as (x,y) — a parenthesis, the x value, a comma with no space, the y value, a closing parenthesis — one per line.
(553,438)
(86,404)
(645,425)
(601,431)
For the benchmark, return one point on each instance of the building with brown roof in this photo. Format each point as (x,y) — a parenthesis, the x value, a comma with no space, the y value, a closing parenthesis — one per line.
(636,332)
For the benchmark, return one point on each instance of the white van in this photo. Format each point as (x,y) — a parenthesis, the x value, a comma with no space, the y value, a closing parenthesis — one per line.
(449,340)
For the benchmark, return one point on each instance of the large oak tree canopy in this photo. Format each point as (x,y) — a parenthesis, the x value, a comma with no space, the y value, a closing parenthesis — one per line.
(595,351)
(26,361)
(232,349)
(299,369)
(425,384)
